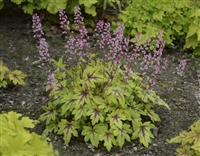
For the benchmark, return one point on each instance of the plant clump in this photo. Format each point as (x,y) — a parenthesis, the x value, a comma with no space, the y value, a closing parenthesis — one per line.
(189,141)
(100,88)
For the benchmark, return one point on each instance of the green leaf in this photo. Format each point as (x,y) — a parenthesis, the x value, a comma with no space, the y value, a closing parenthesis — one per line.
(59,64)
(92,76)
(79,112)
(116,118)
(82,95)
(151,113)
(158,15)
(3,84)
(91,10)
(185,151)
(122,134)
(95,115)
(29,8)
(68,103)
(17,77)
(68,129)
(53,6)
(108,138)
(196,13)
(50,114)
(17,1)
(143,132)
(88,3)
(191,42)
(193,28)
(92,133)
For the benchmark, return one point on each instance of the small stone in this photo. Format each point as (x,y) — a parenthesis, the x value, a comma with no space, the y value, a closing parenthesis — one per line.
(155,144)
(135,149)
(155,131)
(11,102)
(55,138)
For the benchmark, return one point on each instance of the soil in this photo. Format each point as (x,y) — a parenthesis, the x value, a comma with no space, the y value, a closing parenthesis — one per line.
(18,51)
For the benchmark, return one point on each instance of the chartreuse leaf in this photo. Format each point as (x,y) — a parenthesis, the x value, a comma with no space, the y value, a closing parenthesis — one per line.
(108,137)
(82,94)
(191,42)
(92,76)
(116,93)
(3,84)
(192,29)
(68,129)
(29,8)
(17,77)
(196,13)
(95,114)
(92,133)
(59,64)
(15,140)
(151,113)
(116,118)
(79,112)
(68,103)
(50,114)
(182,136)
(185,151)
(133,116)
(122,134)
(53,6)
(88,3)
(143,132)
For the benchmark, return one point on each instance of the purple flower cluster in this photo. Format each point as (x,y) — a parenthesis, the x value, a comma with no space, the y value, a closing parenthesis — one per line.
(76,47)
(78,19)
(44,54)
(64,23)
(43,49)
(181,67)
(50,82)
(37,27)
(114,47)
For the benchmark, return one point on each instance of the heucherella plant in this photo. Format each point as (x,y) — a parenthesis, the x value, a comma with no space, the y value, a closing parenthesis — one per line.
(103,102)
(8,77)
(105,95)
(189,141)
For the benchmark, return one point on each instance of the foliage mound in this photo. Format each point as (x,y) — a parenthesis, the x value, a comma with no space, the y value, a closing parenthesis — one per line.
(103,102)
(190,141)
(100,88)
(16,140)
(178,21)
(8,77)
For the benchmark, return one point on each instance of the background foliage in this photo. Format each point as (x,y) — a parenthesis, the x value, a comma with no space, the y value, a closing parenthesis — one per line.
(179,20)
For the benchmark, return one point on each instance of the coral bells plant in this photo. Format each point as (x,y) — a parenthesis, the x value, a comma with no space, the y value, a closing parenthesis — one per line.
(103,103)
(105,95)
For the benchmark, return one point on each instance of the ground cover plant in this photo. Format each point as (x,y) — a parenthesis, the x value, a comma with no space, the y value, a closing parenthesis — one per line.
(17,140)
(102,96)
